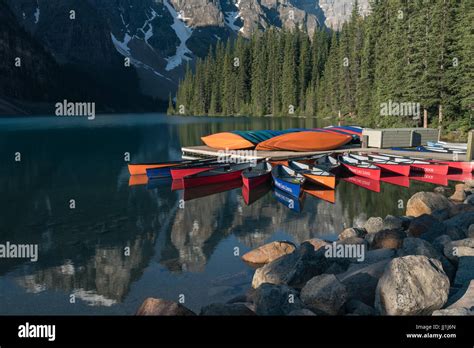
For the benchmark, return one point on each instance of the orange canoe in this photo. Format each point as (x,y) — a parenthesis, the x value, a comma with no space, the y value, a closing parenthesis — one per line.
(140,168)
(304,141)
(227,141)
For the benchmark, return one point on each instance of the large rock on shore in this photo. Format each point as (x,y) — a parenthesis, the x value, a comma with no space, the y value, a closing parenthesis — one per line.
(463,304)
(294,269)
(317,243)
(324,294)
(459,248)
(393,223)
(425,203)
(374,225)
(461,221)
(352,232)
(426,227)
(269,252)
(391,239)
(417,246)
(270,299)
(470,231)
(158,306)
(465,271)
(227,309)
(361,280)
(459,194)
(412,285)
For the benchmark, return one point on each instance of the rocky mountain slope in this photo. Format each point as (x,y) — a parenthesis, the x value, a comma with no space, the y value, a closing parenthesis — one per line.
(159,37)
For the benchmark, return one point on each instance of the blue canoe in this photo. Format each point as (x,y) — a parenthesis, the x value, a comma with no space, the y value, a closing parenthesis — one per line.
(288,180)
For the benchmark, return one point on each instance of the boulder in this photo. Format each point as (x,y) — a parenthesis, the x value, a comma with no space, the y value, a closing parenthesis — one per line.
(361,280)
(373,225)
(352,232)
(440,242)
(461,221)
(441,214)
(273,299)
(301,313)
(374,256)
(469,200)
(443,191)
(426,225)
(469,183)
(317,243)
(417,246)
(269,252)
(459,195)
(324,294)
(391,239)
(158,306)
(226,309)
(392,223)
(425,203)
(457,209)
(412,285)
(470,231)
(458,248)
(356,307)
(464,298)
(293,269)
(465,272)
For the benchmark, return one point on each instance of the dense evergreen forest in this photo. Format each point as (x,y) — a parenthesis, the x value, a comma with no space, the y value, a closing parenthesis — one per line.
(405,53)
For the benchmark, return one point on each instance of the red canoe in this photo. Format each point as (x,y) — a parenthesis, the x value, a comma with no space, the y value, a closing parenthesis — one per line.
(213,176)
(360,168)
(251,196)
(255,176)
(465,167)
(397,180)
(418,166)
(182,171)
(387,166)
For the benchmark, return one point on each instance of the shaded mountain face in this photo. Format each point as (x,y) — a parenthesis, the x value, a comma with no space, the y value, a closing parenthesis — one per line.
(159,37)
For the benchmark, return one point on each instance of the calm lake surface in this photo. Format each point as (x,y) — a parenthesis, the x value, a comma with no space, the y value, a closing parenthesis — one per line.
(173,251)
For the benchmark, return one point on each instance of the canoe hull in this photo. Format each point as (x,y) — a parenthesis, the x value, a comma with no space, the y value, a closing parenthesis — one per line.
(370,173)
(192,181)
(140,169)
(436,169)
(465,167)
(400,169)
(323,180)
(254,182)
(162,172)
(179,173)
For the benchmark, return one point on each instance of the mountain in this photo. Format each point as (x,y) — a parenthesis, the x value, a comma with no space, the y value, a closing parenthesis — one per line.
(146,44)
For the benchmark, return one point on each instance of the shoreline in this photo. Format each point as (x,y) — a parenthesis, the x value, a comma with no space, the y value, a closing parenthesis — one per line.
(421,263)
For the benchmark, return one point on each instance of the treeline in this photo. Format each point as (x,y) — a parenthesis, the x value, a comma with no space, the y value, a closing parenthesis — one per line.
(405,53)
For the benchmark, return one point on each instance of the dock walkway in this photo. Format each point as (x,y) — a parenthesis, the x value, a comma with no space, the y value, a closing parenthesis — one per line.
(194,152)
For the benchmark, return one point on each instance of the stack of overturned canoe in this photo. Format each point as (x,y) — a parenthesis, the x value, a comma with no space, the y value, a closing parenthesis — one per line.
(314,175)
(295,139)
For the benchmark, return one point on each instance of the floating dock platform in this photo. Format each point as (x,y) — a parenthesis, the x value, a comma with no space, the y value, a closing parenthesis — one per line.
(196,152)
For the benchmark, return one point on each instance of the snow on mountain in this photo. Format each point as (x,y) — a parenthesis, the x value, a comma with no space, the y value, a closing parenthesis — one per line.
(231,18)
(184,33)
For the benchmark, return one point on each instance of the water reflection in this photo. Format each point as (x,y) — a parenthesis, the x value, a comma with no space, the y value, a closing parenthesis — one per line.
(127,239)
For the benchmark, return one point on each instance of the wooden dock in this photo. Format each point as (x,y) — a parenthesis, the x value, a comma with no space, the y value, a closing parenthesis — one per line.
(195,152)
